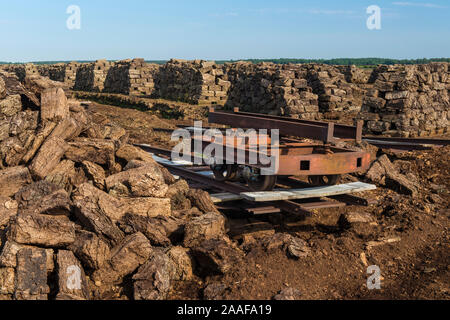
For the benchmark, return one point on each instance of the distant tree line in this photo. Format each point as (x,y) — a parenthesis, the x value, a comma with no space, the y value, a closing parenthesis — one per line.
(348,61)
(363,62)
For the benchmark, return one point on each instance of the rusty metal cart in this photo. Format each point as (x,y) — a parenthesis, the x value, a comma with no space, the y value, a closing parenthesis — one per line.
(317,158)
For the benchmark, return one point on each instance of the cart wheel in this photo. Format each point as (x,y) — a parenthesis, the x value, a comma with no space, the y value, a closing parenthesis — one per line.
(224,172)
(261,183)
(324,180)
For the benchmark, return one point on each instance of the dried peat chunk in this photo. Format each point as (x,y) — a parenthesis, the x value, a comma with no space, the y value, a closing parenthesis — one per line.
(8,255)
(128,153)
(146,181)
(401,184)
(177,193)
(215,291)
(12,151)
(71,277)
(4,131)
(161,231)
(206,227)
(23,122)
(10,105)
(131,253)
(182,264)
(376,173)
(115,133)
(350,219)
(67,129)
(66,176)
(147,207)
(8,208)
(88,198)
(42,230)
(288,294)
(216,256)
(13,86)
(168,177)
(202,200)
(57,203)
(90,249)
(93,213)
(39,138)
(385,173)
(32,194)
(298,248)
(134,164)
(48,157)
(152,280)
(2,89)
(31,275)
(54,104)
(95,173)
(94,150)
(178,188)
(13,179)
(7,277)
(37,84)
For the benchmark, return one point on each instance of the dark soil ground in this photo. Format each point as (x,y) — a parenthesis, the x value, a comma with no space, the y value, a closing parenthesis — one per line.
(409,241)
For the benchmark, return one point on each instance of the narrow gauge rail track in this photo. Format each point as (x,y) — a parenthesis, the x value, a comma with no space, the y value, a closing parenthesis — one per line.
(298,207)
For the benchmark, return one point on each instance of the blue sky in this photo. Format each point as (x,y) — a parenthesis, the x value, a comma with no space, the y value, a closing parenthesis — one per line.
(231,29)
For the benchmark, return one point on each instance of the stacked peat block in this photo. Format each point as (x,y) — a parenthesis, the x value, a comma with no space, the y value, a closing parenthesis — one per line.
(85,215)
(21,70)
(55,72)
(336,93)
(142,77)
(70,75)
(61,72)
(134,77)
(91,76)
(354,74)
(270,88)
(195,81)
(408,101)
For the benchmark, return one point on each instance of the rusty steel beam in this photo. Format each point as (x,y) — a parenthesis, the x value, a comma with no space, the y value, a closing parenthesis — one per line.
(341,131)
(285,127)
(332,130)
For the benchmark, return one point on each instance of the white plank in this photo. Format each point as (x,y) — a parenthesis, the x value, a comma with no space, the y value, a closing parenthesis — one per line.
(317,192)
(206,173)
(224,197)
(178,163)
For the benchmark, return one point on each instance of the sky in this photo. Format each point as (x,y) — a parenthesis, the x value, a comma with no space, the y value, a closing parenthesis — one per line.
(221,30)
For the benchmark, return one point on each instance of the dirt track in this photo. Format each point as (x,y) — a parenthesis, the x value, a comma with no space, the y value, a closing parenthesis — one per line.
(415,265)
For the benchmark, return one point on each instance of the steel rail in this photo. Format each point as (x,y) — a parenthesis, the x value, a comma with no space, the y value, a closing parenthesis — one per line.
(411,141)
